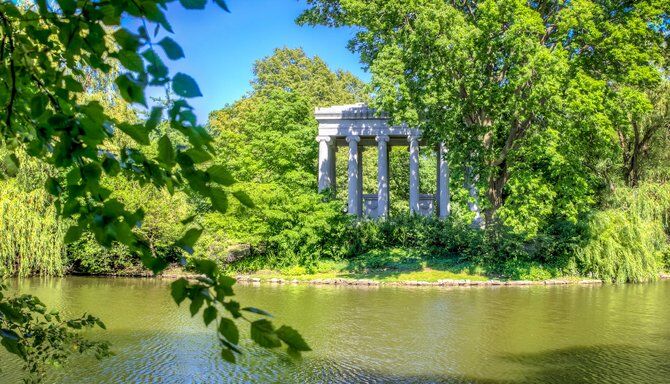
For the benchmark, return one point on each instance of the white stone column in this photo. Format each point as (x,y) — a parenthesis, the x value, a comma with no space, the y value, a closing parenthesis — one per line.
(382,176)
(413,174)
(332,155)
(355,197)
(361,150)
(443,197)
(326,162)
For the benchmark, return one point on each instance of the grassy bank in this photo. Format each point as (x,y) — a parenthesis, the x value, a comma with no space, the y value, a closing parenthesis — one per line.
(341,270)
(393,265)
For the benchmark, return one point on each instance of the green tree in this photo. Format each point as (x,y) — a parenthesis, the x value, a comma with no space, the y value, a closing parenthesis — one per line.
(268,141)
(49,52)
(528,95)
(292,71)
(643,136)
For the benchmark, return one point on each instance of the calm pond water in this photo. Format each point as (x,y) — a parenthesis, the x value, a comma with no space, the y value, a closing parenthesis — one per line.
(574,334)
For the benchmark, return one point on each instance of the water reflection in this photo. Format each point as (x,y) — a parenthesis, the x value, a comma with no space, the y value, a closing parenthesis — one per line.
(576,334)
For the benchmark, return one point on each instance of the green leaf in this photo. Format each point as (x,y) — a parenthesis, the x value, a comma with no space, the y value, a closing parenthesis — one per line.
(12,346)
(209,315)
(178,288)
(292,338)
(11,164)
(11,313)
(243,198)
(111,166)
(227,281)
(230,345)
(73,85)
(67,6)
(228,355)
(263,334)
(205,266)
(228,329)
(193,4)
(37,105)
(184,86)
(257,311)
(156,67)
(131,60)
(196,304)
(126,39)
(171,48)
(198,156)
(189,239)
(189,219)
(222,4)
(219,174)
(73,234)
(166,153)
(219,199)
(131,90)
(100,324)
(154,118)
(137,132)
(52,186)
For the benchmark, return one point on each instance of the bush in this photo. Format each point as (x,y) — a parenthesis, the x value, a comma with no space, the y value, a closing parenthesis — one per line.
(394,258)
(621,247)
(528,270)
(86,256)
(31,234)
(628,241)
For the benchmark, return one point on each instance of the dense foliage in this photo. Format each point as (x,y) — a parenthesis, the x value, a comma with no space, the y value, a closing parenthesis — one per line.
(40,336)
(556,115)
(540,99)
(32,234)
(49,53)
(267,141)
(550,107)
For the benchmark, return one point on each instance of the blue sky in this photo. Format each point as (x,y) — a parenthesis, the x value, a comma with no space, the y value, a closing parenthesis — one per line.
(221,47)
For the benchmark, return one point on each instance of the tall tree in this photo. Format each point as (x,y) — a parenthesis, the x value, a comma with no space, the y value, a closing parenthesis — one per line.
(498,79)
(292,71)
(267,139)
(644,131)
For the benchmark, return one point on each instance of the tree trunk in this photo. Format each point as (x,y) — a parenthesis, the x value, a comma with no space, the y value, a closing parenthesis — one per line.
(495,192)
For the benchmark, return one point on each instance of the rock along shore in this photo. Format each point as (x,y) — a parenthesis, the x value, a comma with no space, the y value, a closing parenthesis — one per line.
(245,279)
(411,283)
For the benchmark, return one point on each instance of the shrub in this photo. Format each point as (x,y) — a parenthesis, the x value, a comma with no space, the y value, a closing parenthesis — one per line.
(528,270)
(31,240)
(86,256)
(621,247)
(393,258)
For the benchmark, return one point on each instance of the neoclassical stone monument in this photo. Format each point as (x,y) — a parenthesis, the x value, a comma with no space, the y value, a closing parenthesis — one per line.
(355,126)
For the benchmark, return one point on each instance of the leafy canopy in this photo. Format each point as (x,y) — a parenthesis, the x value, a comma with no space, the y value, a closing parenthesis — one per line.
(530,95)
(47,53)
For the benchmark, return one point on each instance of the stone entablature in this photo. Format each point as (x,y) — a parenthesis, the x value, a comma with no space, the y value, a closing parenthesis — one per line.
(357,125)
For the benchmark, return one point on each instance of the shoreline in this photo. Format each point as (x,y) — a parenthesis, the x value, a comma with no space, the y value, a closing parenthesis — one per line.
(253,280)
(416,283)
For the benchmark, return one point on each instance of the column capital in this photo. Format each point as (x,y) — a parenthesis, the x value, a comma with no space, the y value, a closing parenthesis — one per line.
(354,138)
(382,139)
(413,137)
(327,139)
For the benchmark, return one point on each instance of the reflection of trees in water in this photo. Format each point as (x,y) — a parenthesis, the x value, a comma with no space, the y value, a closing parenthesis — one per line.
(599,364)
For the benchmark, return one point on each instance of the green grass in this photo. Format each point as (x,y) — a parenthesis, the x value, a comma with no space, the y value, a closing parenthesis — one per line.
(395,265)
